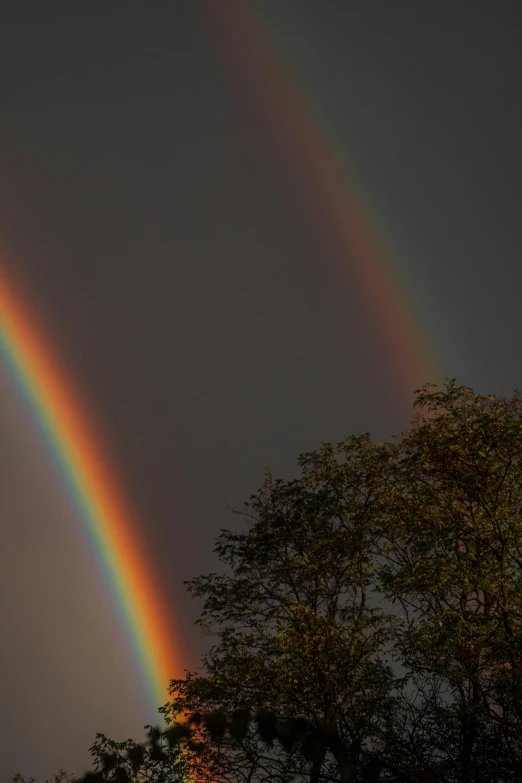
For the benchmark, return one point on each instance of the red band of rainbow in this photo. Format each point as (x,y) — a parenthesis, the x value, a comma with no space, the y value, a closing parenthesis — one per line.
(111,530)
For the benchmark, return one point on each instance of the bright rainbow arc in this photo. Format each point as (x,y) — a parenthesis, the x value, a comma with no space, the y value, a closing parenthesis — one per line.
(248,44)
(112,532)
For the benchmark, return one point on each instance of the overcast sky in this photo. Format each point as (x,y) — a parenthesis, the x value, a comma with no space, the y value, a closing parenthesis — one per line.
(173,256)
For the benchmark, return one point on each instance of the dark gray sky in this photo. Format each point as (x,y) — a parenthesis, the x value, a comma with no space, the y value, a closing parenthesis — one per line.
(170,251)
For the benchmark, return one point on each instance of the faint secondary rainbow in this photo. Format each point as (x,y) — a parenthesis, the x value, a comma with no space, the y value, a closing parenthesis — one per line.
(247,43)
(110,528)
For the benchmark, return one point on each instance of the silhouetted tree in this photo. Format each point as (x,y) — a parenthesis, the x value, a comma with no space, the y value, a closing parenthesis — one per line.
(297,632)
(452,547)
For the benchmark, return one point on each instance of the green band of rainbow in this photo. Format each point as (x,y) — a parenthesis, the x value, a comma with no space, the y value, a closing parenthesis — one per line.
(256,61)
(113,534)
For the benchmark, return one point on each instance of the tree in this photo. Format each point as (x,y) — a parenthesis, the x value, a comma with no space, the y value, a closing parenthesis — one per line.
(297,631)
(224,744)
(452,548)
(433,521)
(160,760)
(59,777)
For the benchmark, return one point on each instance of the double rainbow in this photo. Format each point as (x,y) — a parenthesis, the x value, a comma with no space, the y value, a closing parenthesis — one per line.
(249,47)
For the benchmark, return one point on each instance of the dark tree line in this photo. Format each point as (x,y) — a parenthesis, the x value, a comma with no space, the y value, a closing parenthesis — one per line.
(407,552)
